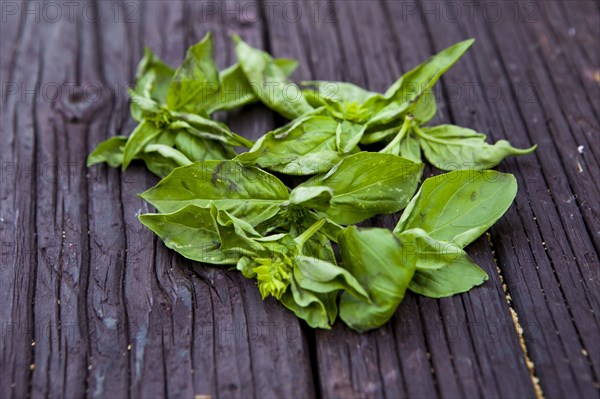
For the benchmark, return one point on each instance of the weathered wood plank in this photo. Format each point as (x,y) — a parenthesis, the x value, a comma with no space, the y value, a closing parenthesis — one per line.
(113,313)
(543,200)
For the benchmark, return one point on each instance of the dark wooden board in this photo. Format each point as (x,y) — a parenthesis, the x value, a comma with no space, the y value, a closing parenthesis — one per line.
(94,305)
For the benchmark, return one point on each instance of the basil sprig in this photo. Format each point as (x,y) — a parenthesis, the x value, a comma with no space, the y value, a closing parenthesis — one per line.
(173,108)
(222,208)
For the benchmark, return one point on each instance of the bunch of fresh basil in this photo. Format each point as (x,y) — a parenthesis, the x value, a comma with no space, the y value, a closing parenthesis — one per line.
(218,207)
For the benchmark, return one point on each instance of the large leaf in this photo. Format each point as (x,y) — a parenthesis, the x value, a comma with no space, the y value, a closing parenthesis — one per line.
(375,256)
(245,192)
(450,147)
(459,206)
(367,184)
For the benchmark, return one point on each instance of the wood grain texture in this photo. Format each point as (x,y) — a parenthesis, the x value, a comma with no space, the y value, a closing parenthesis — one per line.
(94,305)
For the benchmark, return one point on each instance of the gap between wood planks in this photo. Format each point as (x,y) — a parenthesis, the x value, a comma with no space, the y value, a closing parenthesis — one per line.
(515,319)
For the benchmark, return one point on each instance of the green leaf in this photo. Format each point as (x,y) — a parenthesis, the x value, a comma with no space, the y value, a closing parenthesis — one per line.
(348,135)
(201,149)
(320,276)
(191,232)
(429,254)
(315,309)
(142,135)
(402,97)
(306,146)
(367,184)
(153,77)
(235,91)
(317,198)
(450,147)
(196,79)
(375,256)
(338,91)
(109,151)
(410,148)
(459,276)
(244,192)
(168,152)
(270,82)
(209,129)
(459,206)
(425,108)
(422,78)
(158,164)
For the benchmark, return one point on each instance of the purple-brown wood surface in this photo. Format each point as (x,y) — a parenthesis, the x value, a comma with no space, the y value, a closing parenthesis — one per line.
(92,304)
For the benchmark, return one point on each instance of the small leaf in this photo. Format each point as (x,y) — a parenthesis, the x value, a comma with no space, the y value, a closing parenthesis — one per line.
(375,256)
(270,81)
(196,79)
(109,151)
(142,135)
(450,147)
(348,135)
(454,278)
(316,309)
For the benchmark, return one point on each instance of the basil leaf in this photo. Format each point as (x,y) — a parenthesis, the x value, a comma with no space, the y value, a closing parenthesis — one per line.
(208,128)
(317,198)
(168,152)
(367,184)
(422,78)
(191,232)
(320,276)
(235,91)
(244,192)
(429,254)
(425,108)
(195,79)
(338,91)
(348,135)
(450,147)
(319,246)
(142,135)
(459,206)
(410,148)
(109,151)
(375,256)
(270,82)
(459,276)
(200,149)
(158,164)
(316,309)
(153,77)
(304,147)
